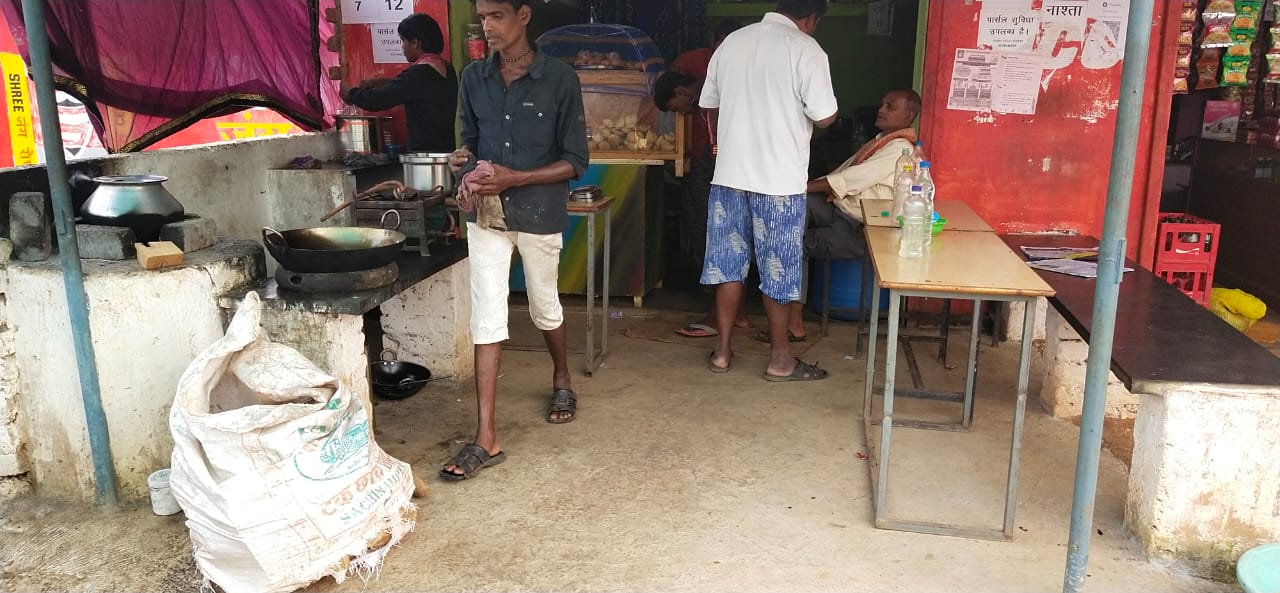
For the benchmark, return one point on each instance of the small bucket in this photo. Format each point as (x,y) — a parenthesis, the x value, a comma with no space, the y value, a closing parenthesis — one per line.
(162,501)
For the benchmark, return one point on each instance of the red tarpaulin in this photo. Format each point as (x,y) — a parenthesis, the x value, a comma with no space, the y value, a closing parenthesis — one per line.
(147,68)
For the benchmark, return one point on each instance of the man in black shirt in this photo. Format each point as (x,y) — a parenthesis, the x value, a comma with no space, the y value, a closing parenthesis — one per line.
(521,112)
(428,88)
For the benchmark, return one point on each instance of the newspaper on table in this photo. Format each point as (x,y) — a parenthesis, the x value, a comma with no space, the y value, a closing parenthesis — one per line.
(1058,252)
(1072,267)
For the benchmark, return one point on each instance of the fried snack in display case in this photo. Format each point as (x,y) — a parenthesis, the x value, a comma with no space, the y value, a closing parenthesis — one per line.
(622,121)
(617,66)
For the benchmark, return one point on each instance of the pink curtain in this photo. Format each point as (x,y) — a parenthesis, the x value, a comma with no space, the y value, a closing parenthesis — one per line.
(147,68)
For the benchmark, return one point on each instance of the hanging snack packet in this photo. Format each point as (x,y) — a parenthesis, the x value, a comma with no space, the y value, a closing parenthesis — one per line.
(1246,18)
(1235,70)
(1217,29)
(1207,68)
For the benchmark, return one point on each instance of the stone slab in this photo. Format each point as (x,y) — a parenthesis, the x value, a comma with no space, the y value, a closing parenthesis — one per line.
(191,234)
(105,242)
(31,226)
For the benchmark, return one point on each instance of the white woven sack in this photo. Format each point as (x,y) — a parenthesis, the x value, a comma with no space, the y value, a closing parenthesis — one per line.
(275,466)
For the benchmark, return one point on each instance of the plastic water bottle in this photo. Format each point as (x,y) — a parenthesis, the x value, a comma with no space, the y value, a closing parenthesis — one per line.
(902,182)
(924,179)
(917,153)
(905,160)
(915,225)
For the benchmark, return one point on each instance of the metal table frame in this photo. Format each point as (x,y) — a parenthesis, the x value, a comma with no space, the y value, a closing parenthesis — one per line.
(880,458)
(942,284)
(591,211)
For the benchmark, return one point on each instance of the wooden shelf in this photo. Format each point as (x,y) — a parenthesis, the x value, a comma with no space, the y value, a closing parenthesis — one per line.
(715,9)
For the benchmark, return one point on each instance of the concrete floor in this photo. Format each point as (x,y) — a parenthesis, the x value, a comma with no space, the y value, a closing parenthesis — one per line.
(674,479)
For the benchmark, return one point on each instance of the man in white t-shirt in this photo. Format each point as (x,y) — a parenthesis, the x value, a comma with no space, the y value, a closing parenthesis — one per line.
(769,84)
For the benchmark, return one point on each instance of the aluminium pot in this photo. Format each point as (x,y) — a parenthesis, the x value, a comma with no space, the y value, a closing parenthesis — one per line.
(139,202)
(359,133)
(427,171)
(333,249)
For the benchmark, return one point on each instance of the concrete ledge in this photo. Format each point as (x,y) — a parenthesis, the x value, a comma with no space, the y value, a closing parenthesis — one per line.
(430,323)
(1066,356)
(147,326)
(1205,481)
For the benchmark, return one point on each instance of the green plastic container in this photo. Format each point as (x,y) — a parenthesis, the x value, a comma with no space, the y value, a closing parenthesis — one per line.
(1259,569)
(938,223)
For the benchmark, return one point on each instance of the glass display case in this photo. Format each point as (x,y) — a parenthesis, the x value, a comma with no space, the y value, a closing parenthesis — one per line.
(617,66)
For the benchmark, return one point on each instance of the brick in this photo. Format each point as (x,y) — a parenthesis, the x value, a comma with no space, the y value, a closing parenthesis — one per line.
(105,242)
(31,226)
(191,234)
(158,254)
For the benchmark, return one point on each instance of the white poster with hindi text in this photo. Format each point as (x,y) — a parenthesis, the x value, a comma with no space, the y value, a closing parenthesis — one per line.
(387,48)
(1009,25)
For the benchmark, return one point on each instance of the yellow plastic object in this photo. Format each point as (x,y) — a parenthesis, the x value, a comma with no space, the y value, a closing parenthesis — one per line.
(1237,307)
(1240,302)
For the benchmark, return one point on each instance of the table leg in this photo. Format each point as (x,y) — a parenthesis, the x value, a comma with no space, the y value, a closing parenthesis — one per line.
(867,287)
(1019,417)
(886,424)
(869,386)
(945,331)
(971,375)
(591,292)
(604,315)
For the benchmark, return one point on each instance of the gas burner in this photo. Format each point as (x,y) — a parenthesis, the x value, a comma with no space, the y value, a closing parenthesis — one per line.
(329,282)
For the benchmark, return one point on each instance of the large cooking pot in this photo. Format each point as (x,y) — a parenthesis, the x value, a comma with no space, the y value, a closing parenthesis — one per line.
(333,249)
(359,133)
(426,171)
(139,202)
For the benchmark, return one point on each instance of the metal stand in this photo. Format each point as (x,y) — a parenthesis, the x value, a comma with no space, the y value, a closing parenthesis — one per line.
(592,210)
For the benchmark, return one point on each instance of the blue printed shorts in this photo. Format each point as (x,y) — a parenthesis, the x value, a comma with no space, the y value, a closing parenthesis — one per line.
(740,223)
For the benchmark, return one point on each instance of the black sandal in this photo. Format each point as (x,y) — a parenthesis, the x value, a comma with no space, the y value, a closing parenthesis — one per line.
(563,400)
(471,459)
(803,371)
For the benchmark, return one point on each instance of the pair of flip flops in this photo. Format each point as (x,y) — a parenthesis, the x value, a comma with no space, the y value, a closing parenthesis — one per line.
(472,457)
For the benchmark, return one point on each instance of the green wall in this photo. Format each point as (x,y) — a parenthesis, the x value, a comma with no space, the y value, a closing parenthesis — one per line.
(557,13)
(863,66)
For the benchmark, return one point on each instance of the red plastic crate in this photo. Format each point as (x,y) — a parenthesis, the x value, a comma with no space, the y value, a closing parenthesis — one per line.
(1190,240)
(1194,281)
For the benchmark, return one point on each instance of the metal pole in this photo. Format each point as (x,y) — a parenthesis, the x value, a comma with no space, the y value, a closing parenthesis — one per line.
(69,252)
(1110,270)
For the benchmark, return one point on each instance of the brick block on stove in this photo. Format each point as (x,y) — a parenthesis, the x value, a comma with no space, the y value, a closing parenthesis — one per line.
(105,242)
(191,234)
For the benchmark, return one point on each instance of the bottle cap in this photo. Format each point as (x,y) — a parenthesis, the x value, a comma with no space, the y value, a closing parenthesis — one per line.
(917,188)
(884,213)
(924,164)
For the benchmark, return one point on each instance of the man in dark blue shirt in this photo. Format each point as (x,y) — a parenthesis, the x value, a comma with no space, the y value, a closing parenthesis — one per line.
(521,112)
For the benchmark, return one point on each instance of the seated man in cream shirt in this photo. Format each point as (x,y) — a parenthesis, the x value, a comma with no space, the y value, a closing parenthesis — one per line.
(835,216)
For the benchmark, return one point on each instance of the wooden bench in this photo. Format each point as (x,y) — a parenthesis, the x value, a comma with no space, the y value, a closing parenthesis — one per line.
(1163,339)
(1206,415)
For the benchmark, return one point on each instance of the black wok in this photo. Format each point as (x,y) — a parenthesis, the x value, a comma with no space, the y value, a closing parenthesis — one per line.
(396,379)
(333,249)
